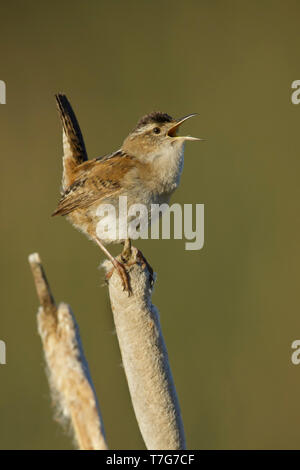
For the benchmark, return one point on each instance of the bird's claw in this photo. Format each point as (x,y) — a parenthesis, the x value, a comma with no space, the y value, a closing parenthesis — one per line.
(124,276)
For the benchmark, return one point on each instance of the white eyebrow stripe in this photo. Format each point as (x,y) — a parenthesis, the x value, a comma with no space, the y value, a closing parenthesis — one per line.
(147,127)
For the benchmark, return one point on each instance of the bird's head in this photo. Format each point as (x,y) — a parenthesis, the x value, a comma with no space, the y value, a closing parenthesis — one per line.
(155,133)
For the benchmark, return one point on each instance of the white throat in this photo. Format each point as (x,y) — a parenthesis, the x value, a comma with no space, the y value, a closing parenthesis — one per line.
(168,166)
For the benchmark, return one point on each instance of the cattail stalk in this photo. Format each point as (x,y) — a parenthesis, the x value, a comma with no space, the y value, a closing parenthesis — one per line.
(68,372)
(145,358)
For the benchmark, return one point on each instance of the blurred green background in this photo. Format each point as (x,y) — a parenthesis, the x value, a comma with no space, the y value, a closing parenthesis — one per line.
(230,311)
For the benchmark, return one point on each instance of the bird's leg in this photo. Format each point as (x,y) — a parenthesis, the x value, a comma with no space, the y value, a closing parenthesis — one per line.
(126,253)
(118,266)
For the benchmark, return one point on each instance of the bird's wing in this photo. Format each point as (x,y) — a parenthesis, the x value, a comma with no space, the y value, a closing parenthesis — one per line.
(74,148)
(96,180)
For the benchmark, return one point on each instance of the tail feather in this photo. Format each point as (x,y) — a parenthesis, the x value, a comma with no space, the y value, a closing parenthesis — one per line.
(74,147)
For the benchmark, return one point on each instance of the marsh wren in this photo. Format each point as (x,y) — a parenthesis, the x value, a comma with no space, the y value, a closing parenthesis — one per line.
(146,169)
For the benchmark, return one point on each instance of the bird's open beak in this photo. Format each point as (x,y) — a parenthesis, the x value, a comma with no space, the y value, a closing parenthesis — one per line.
(172,132)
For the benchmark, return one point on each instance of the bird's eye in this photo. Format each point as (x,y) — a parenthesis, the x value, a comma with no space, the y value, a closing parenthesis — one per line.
(156,130)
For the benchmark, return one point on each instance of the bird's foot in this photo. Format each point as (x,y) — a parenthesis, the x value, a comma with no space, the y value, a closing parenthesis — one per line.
(121,270)
(140,258)
(145,264)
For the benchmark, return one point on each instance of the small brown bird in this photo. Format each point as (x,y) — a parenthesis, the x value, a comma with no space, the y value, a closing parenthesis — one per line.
(146,169)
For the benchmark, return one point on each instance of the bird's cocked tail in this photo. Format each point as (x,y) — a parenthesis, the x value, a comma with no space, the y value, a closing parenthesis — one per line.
(73,143)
